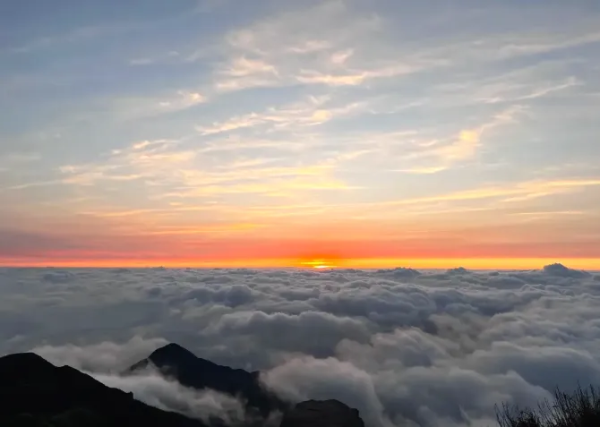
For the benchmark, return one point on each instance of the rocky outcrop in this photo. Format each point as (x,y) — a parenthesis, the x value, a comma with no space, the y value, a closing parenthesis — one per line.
(325,413)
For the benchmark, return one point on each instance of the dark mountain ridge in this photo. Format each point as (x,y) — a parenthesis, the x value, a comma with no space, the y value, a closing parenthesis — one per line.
(36,393)
(191,371)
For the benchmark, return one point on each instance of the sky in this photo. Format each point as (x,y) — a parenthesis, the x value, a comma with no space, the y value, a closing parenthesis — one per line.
(289,133)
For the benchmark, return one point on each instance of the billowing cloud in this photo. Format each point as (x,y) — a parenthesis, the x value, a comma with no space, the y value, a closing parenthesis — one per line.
(403,346)
(102,357)
(155,390)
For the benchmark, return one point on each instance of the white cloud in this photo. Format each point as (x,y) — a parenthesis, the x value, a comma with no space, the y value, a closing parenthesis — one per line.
(342,56)
(102,357)
(144,107)
(294,116)
(155,390)
(302,46)
(441,155)
(435,348)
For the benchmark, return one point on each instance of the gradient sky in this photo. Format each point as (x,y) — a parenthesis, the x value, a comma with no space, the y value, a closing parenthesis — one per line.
(264,132)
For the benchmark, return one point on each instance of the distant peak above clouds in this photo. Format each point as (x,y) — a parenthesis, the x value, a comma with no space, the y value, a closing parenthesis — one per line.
(562,271)
(181,364)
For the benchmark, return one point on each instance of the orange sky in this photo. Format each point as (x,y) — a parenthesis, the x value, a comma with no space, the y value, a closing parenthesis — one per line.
(592,264)
(469,248)
(487,240)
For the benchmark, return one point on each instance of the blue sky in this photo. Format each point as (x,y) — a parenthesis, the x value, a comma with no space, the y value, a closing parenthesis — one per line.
(228,123)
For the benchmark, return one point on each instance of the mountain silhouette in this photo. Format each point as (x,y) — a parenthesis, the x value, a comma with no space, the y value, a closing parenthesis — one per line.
(35,393)
(191,371)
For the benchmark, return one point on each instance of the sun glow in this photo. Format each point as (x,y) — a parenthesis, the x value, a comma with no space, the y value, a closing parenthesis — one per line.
(319,264)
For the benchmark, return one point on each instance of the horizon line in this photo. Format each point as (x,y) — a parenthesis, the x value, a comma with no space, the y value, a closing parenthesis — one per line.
(589,264)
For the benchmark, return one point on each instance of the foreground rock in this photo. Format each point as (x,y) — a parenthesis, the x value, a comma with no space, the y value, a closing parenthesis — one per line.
(191,371)
(327,413)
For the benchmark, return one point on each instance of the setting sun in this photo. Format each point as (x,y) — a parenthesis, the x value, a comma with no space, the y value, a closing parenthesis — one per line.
(319,264)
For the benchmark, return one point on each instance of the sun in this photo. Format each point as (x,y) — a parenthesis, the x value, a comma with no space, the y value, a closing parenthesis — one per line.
(318,264)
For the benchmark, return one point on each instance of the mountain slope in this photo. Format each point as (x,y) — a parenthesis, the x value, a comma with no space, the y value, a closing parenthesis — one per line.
(33,392)
(191,371)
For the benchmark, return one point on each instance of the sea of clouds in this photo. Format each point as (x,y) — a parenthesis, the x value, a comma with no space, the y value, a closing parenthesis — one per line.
(402,346)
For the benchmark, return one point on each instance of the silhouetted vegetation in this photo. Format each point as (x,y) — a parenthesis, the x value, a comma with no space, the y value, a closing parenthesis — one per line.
(578,409)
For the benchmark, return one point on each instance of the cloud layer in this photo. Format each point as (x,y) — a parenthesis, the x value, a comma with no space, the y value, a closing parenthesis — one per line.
(403,346)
